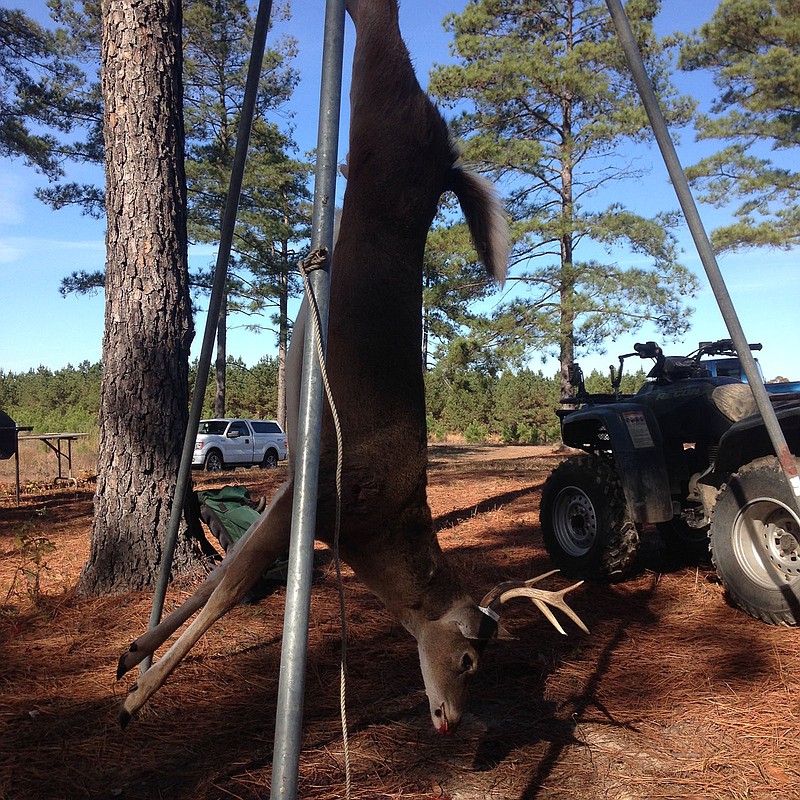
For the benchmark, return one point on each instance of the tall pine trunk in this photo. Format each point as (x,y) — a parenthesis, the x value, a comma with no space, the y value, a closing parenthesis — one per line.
(221,363)
(568,279)
(283,333)
(148,326)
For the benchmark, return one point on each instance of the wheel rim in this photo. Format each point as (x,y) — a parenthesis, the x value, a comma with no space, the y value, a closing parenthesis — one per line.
(574,522)
(214,463)
(766,542)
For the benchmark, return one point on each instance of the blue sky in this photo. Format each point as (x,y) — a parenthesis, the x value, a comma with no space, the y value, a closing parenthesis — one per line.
(39,246)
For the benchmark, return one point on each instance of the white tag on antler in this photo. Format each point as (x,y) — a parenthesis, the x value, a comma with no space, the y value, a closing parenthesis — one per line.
(489,613)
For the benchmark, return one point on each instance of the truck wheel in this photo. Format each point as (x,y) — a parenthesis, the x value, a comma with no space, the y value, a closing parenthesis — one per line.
(214,462)
(585,523)
(755,543)
(270,460)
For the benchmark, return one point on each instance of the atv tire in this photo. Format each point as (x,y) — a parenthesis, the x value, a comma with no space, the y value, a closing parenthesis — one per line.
(755,543)
(586,527)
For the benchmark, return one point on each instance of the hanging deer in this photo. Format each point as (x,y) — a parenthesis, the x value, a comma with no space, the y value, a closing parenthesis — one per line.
(400,162)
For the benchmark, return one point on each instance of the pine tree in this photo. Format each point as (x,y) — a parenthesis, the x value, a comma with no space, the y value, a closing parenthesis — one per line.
(41,94)
(148,330)
(73,103)
(454,281)
(752,47)
(272,212)
(549,108)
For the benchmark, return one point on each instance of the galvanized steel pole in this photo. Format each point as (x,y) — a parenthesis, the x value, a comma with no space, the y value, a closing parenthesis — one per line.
(214,306)
(289,719)
(702,243)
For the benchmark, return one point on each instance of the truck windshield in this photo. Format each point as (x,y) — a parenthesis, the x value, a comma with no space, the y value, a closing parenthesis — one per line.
(215,426)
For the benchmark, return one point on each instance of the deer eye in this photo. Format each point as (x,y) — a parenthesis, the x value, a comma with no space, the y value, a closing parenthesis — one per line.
(467,663)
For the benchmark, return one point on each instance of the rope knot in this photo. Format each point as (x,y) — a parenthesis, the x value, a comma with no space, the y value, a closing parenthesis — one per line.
(316,259)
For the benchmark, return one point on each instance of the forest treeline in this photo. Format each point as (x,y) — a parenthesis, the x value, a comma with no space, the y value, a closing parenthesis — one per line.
(482,405)
(559,136)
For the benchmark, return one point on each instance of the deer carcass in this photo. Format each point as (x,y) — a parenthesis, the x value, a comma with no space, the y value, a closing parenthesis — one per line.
(400,162)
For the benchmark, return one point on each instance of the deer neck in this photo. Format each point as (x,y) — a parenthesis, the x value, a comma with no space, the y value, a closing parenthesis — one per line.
(405,568)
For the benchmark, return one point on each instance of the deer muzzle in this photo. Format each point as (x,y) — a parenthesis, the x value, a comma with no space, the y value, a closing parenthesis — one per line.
(441,722)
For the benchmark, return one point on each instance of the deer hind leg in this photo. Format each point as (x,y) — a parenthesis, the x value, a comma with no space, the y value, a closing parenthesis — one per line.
(266,541)
(379,49)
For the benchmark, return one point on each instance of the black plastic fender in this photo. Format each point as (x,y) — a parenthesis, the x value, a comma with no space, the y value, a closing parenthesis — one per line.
(634,439)
(748,440)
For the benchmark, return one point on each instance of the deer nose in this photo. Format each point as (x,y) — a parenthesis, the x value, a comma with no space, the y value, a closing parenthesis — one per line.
(442,723)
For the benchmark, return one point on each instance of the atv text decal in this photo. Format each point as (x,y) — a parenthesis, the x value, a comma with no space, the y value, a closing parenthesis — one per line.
(690,391)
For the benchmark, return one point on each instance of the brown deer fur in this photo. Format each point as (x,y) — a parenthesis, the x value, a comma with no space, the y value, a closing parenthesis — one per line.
(401,161)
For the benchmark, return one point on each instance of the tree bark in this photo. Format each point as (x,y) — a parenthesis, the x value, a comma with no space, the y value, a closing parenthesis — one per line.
(221,364)
(283,331)
(148,325)
(567,267)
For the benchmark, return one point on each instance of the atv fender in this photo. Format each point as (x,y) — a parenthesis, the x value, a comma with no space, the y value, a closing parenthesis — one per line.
(631,433)
(748,440)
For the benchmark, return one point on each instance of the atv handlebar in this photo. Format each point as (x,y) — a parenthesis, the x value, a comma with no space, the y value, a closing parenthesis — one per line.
(666,369)
(722,347)
(670,368)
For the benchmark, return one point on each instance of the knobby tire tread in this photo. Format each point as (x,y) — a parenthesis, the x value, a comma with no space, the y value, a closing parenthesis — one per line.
(620,544)
(723,516)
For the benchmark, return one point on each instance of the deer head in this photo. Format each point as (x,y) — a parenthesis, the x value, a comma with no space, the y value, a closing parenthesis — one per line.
(450,647)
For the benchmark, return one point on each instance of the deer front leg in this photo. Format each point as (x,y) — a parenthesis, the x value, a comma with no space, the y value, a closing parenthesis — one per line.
(150,641)
(266,541)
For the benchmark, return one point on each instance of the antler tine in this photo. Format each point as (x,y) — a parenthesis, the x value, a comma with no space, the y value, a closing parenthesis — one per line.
(491,598)
(541,598)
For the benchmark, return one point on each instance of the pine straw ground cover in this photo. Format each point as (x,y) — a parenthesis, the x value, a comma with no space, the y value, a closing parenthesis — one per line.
(674,694)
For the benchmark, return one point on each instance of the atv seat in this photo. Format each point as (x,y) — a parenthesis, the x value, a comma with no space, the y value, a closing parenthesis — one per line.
(680,368)
(734,400)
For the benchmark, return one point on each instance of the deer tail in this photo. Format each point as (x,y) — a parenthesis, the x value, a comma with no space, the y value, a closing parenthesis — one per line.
(485,217)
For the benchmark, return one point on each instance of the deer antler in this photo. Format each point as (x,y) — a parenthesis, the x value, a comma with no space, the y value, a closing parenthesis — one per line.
(541,598)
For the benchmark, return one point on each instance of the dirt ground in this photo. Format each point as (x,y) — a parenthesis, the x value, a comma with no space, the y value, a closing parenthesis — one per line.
(673,694)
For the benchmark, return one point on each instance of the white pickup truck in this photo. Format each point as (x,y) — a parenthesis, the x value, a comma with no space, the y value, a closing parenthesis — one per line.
(228,443)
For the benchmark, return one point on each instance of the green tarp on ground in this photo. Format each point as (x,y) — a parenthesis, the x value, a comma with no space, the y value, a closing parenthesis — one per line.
(233,506)
(229,512)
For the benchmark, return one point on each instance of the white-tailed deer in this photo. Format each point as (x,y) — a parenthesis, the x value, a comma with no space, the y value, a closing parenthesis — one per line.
(401,160)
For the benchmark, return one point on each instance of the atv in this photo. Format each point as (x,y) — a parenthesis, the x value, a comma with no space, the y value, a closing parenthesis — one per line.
(689,453)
